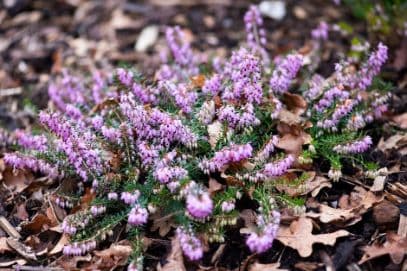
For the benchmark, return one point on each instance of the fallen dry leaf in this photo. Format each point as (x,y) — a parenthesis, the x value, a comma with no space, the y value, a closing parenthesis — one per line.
(308,266)
(266,267)
(115,255)
(21,249)
(162,223)
(115,250)
(38,223)
(401,120)
(17,181)
(214,186)
(71,263)
(313,184)
(299,236)
(328,214)
(13,262)
(289,117)
(4,247)
(175,260)
(395,246)
(60,245)
(215,132)
(393,142)
(295,103)
(350,208)
(21,212)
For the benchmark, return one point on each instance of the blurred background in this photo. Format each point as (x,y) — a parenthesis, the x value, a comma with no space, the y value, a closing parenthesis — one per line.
(38,39)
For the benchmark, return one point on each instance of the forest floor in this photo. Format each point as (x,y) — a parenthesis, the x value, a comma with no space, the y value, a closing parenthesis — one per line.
(38,39)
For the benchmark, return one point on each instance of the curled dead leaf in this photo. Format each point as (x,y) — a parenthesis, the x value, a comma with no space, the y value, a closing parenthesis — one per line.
(60,245)
(295,103)
(214,186)
(401,120)
(111,258)
(175,260)
(328,214)
(394,142)
(289,117)
(38,223)
(215,132)
(17,181)
(198,80)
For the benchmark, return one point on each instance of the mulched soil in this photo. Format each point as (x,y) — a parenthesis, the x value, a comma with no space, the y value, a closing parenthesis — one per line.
(39,38)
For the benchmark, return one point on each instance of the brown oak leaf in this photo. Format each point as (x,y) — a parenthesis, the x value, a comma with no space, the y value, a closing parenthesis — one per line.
(299,236)
(395,246)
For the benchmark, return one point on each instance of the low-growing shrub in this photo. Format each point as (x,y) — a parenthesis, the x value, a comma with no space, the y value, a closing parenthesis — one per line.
(186,146)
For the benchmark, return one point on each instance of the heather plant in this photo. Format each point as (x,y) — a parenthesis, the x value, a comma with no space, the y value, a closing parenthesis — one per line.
(188,146)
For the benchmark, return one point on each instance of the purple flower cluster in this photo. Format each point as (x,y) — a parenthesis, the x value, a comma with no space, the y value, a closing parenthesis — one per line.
(69,90)
(146,95)
(78,249)
(73,223)
(226,156)
(98,85)
(212,86)
(97,210)
(373,66)
(262,240)
(37,165)
(238,120)
(190,244)
(329,97)
(315,87)
(30,142)
(340,112)
(199,204)
(168,174)
(379,106)
(184,97)
(125,77)
(256,35)
(321,32)
(284,73)
(57,124)
(130,198)
(180,49)
(138,216)
(362,79)
(148,154)
(244,70)
(228,206)
(267,149)
(112,196)
(356,122)
(357,146)
(111,134)
(278,168)
(155,126)
(63,203)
